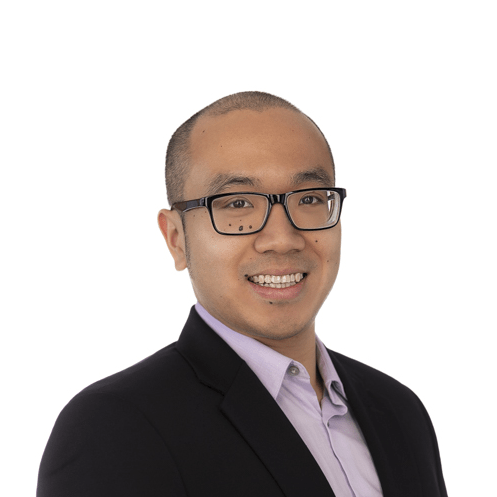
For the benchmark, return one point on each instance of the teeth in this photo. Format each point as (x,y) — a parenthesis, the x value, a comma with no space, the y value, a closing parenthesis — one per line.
(277,281)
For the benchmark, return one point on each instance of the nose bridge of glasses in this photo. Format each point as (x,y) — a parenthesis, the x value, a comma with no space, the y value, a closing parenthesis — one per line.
(278,199)
(275,198)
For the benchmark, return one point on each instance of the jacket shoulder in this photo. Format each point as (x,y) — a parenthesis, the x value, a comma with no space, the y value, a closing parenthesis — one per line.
(105,440)
(160,363)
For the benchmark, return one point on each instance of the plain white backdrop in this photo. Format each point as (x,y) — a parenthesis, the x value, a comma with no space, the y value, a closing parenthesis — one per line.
(405,93)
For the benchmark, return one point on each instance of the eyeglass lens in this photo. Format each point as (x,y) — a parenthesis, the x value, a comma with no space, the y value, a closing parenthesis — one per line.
(245,213)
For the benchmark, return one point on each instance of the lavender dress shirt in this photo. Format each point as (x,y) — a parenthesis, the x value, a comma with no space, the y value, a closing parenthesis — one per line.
(329,430)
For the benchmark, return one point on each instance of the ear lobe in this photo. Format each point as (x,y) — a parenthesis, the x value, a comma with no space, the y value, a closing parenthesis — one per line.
(172,229)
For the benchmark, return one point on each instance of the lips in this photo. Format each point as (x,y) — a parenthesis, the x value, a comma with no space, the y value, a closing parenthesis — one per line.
(277,281)
(286,291)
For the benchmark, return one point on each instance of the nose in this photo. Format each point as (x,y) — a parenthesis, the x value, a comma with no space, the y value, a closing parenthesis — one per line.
(279,235)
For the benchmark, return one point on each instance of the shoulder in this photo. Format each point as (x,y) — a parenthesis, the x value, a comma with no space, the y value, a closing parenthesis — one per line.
(130,391)
(109,440)
(160,370)
(148,393)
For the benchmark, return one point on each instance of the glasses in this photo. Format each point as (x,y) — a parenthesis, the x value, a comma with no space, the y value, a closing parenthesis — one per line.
(246,213)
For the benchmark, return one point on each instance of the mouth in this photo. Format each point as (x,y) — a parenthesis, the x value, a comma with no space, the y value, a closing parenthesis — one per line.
(277,281)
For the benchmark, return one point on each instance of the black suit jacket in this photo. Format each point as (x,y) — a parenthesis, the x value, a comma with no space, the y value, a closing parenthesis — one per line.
(194,420)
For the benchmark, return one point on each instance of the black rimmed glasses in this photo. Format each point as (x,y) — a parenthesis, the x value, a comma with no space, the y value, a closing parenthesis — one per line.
(244,213)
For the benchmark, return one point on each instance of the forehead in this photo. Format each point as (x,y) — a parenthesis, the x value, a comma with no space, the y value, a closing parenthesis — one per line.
(273,149)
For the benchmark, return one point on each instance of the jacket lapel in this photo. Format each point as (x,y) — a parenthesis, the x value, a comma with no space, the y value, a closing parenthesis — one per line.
(252,410)
(383,432)
(259,419)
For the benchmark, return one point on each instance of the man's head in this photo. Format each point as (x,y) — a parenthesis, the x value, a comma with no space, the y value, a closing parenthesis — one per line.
(178,156)
(251,142)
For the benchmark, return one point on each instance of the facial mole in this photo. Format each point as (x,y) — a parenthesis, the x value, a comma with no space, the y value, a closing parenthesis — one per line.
(250,227)
(316,241)
(245,275)
(240,228)
(270,302)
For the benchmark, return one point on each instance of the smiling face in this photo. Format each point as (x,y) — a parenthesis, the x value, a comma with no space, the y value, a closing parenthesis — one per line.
(274,151)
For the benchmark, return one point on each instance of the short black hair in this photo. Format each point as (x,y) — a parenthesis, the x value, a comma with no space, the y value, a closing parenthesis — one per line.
(178,150)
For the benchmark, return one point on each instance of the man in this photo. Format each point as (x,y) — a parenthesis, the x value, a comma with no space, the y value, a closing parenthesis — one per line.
(248,401)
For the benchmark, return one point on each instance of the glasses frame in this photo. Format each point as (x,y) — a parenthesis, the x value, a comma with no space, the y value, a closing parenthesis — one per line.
(273,198)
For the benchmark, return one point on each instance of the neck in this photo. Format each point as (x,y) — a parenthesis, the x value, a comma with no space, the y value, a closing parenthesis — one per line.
(300,348)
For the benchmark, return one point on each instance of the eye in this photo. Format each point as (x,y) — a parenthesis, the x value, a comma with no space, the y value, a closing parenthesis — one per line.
(238,203)
(310,199)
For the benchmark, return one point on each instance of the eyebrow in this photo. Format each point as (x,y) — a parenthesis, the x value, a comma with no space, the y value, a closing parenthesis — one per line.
(223,181)
(318,174)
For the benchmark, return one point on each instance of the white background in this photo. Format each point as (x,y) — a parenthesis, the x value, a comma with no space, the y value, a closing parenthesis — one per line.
(92,91)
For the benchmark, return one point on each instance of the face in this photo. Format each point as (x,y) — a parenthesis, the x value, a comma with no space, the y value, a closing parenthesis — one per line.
(275,151)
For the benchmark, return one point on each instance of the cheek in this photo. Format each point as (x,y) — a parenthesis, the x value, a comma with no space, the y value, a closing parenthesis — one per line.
(328,250)
(211,254)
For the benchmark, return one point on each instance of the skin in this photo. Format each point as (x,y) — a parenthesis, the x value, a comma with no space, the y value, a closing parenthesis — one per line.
(270,147)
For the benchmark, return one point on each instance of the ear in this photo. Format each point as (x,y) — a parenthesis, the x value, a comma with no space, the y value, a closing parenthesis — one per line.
(172,229)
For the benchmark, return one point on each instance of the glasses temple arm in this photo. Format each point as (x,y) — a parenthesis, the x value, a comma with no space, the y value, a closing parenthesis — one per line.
(188,205)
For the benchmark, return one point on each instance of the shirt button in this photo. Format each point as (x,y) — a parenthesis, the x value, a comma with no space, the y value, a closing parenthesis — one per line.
(293,371)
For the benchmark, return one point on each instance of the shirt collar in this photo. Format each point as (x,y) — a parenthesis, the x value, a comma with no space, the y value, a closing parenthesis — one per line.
(331,380)
(271,366)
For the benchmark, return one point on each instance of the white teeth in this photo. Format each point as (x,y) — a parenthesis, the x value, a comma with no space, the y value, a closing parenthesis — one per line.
(277,281)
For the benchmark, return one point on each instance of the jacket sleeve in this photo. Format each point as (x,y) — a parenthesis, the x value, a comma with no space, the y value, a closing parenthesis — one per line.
(436,461)
(102,446)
